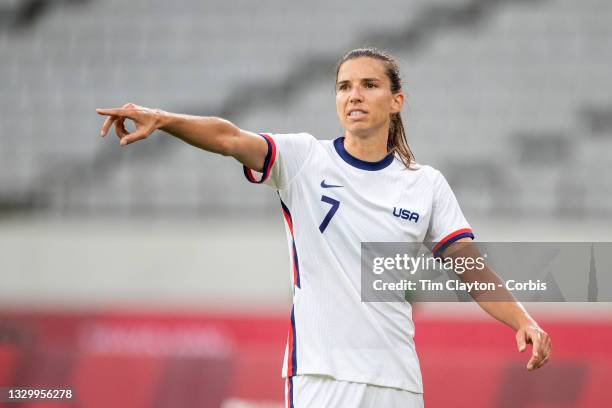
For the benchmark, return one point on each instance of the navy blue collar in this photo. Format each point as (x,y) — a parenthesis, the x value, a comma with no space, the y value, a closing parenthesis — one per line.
(361,164)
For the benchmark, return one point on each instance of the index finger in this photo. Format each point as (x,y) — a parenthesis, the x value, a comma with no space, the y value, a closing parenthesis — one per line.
(112,112)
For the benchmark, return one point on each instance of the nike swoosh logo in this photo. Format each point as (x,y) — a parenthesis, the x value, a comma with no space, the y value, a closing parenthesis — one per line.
(328,185)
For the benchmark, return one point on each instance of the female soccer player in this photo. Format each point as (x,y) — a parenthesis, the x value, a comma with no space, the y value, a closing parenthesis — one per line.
(342,352)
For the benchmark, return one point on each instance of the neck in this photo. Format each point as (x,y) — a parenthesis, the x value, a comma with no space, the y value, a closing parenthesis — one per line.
(371,147)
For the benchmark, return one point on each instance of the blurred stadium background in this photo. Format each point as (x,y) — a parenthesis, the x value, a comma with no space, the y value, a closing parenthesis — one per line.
(155,276)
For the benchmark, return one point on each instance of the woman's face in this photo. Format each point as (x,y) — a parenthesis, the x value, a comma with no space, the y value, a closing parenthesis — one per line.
(364,101)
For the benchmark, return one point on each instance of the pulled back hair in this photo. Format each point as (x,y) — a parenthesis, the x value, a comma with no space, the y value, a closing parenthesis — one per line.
(396,142)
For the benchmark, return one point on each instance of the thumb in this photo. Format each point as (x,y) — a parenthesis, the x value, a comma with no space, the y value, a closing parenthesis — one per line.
(520,341)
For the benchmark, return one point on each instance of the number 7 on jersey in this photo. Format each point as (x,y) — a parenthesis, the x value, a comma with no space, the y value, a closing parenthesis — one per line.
(334,207)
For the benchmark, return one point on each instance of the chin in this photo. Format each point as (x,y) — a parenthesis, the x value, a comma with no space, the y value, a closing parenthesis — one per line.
(359,129)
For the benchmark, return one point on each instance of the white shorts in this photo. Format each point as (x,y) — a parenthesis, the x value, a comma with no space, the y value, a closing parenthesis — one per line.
(317,391)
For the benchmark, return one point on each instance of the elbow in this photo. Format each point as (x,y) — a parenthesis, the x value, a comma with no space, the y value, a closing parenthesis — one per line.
(228,138)
(225,146)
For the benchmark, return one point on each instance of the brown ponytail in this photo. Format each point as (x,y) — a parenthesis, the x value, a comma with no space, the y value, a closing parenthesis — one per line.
(396,142)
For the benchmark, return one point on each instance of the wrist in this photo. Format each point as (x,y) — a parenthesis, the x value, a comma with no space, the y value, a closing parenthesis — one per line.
(526,321)
(162,119)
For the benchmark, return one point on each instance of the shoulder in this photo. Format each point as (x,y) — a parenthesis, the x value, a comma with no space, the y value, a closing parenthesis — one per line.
(290,144)
(430,179)
(296,138)
(427,172)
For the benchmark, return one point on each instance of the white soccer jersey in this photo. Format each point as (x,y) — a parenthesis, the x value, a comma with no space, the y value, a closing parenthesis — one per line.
(331,202)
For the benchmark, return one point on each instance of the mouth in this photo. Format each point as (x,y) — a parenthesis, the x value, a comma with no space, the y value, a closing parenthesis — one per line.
(356,113)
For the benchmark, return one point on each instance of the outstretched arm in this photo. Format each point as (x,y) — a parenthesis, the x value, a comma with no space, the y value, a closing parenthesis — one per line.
(502,306)
(209,133)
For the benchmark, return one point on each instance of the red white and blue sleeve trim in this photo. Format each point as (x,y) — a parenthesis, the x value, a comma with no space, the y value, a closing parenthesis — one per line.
(268,162)
(450,238)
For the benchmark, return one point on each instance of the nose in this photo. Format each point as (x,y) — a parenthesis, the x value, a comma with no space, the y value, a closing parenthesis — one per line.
(355,95)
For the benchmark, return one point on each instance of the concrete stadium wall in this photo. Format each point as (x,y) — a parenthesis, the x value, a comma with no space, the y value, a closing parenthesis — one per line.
(197,264)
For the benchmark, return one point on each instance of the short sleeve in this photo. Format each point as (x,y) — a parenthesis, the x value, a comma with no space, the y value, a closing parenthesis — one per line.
(287,155)
(447,223)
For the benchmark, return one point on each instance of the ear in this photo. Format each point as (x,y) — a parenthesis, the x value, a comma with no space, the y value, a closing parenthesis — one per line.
(397,102)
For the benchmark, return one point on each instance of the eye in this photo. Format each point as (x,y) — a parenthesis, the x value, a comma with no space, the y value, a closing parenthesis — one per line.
(370,85)
(342,87)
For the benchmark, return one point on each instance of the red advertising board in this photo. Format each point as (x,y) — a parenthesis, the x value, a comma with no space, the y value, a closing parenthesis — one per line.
(143,360)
